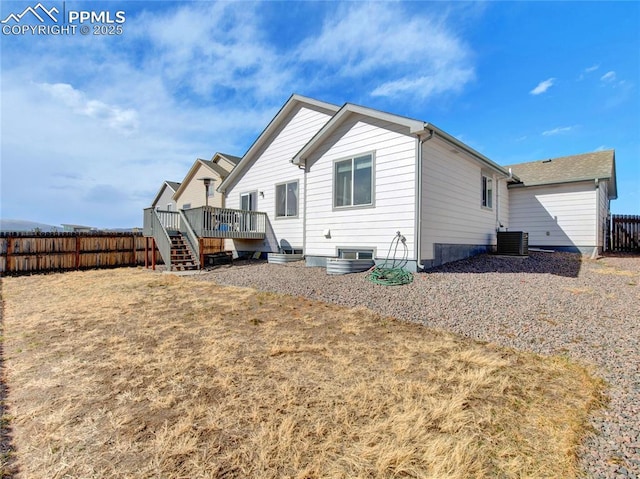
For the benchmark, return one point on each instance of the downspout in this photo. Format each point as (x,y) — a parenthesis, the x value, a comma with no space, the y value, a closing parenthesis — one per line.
(594,254)
(304,206)
(417,248)
(304,213)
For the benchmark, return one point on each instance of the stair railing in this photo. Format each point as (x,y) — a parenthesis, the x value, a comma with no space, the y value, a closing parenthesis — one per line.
(161,237)
(193,242)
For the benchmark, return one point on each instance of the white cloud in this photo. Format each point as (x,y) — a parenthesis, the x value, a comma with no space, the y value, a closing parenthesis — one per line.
(115,116)
(124,120)
(426,86)
(543,86)
(608,77)
(603,148)
(558,131)
(363,40)
(214,48)
(591,68)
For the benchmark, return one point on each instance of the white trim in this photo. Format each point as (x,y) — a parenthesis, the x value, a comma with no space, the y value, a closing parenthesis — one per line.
(415,126)
(273,125)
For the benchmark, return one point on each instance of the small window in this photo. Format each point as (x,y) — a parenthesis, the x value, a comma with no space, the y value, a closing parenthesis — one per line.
(169,206)
(355,254)
(353,182)
(287,199)
(186,206)
(210,191)
(487,192)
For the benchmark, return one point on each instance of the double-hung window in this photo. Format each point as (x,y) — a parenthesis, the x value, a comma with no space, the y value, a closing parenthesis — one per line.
(353,181)
(487,192)
(287,199)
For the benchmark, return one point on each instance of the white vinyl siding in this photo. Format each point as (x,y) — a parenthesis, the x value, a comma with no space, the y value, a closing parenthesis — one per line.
(556,215)
(272,166)
(372,228)
(452,199)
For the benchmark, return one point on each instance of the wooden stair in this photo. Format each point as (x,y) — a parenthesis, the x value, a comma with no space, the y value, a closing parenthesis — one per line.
(181,257)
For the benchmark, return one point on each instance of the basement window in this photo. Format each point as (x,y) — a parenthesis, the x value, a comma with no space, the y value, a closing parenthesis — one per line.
(355,253)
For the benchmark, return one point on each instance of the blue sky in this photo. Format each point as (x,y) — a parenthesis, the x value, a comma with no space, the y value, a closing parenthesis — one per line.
(92,124)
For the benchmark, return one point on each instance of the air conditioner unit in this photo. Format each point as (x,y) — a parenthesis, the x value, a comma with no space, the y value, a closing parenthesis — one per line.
(513,243)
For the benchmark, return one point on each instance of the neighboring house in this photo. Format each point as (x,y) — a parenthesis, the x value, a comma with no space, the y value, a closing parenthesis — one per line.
(164,199)
(71,228)
(193,192)
(563,203)
(341,181)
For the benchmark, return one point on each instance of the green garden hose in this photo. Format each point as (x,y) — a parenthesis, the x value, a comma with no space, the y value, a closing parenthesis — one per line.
(392,274)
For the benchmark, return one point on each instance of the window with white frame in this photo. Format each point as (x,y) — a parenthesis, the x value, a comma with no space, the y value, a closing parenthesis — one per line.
(355,253)
(210,190)
(353,181)
(487,191)
(287,199)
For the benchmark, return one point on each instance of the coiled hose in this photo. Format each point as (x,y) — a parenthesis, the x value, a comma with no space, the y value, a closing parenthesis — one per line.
(392,272)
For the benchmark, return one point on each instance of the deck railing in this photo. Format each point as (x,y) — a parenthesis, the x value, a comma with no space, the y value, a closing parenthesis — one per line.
(210,222)
(169,220)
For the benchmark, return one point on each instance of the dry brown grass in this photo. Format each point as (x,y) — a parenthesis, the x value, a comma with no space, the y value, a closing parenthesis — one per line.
(131,374)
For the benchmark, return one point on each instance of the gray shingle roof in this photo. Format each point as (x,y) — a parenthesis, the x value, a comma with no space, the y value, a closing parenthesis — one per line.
(567,169)
(215,167)
(173,184)
(233,159)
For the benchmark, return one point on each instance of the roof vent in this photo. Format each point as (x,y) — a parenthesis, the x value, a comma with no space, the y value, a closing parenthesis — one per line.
(546,161)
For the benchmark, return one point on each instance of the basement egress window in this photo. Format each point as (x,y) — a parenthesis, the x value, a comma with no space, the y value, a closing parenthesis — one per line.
(355,254)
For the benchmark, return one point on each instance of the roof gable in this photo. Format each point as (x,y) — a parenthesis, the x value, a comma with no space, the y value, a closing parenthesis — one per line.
(273,126)
(414,126)
(172,185)
(230,158)
(216,170)
(597,165)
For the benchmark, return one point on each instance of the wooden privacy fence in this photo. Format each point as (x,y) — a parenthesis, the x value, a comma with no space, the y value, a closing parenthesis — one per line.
(26,253)
(624,234)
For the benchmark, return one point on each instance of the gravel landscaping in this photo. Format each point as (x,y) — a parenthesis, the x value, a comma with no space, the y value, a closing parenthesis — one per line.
(548,303)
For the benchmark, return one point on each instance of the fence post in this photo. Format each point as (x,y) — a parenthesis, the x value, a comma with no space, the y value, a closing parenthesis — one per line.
(200,247)
(78,252)
(9,252)
(153,254)
(133,251)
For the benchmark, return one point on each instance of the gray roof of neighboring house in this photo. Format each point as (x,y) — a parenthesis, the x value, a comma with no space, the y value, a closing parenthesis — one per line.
(216,167)
(173,184)
(233,159)
(568,169)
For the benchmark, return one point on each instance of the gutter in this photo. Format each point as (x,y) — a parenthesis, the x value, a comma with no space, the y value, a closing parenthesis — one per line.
(418,245)
(469,150)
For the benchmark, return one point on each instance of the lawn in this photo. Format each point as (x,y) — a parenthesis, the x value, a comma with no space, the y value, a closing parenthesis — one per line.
(133,374)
